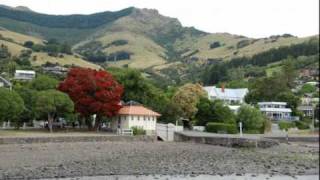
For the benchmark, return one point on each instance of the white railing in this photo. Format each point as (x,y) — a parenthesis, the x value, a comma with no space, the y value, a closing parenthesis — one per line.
(125,132)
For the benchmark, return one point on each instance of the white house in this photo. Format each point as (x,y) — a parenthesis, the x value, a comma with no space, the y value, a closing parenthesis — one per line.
(230,96)
(24,74)
(135,115)
(276,110)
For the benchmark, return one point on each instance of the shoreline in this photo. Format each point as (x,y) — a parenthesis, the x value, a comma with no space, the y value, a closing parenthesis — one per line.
(78,159)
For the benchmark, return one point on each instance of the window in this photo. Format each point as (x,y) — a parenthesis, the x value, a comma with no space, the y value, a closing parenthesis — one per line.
(138,118)
(144,117)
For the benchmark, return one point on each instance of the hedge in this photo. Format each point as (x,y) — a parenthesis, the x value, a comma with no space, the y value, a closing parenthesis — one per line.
(302,125)
(138,131)
(286,125)
(221,127)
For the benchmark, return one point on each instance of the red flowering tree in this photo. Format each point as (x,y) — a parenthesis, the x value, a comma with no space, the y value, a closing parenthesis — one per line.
(93,92)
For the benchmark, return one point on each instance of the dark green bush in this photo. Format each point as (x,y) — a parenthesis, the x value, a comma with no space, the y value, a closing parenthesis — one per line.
(221,127)
(302,125)
(286,125)
(138,131)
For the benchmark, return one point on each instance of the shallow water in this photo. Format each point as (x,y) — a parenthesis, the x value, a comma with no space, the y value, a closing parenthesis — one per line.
(196,177)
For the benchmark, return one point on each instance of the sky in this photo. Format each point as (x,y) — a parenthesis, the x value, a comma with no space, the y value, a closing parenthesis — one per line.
(252,18)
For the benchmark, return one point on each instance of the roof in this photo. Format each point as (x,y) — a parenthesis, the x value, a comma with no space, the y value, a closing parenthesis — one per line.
(137,110)
(5,82)
(272,103)
(228,93)
(304,107)
(288,110)
(25,71)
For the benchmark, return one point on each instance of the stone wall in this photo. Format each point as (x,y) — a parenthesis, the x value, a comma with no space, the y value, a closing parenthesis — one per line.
(227,141)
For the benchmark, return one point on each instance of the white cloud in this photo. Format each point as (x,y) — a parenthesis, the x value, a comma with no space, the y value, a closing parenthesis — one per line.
(253,18)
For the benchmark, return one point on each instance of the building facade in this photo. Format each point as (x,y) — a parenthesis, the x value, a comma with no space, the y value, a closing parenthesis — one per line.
(276,111)
(135,115)
(24,75)
(229,96)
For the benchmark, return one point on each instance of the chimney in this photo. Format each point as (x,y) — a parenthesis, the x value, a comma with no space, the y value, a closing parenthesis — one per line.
(222,87)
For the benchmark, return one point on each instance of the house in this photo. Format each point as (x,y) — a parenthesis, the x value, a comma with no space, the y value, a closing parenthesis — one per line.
(5,83)
(135,115)
(24,75)
(230,96)
(276,111)
(307,110)
(58,70)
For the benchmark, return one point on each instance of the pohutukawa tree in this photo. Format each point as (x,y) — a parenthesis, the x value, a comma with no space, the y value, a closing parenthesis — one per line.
(93,92)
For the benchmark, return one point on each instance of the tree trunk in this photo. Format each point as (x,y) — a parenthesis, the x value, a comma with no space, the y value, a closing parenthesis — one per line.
(50,121)
(88,123)
(97,123)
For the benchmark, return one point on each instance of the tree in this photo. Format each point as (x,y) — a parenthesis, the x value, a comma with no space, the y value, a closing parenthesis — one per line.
(252,119)
(28,44)
(288,72)
(291,99)
(11,106)
(186,99)
(43,82)
(93,92)
(307,88)
(52,103)
(266,89)
(28,95)
(138,88)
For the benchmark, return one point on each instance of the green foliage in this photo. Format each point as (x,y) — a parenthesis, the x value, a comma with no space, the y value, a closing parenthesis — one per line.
(69,21)
(28,44)
(276,87)
(43,82)
(139,89)
(302,124)
(213,111)
(285,125)
(291,99)
(215,74)
(28,96)
(277,54)
(11,106)
(52,103)
(252,119)
(138,131)
(4,52)
(307,88)
(221,128)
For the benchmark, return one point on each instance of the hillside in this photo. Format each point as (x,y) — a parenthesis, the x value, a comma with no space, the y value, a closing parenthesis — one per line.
(14,42)
(137,38)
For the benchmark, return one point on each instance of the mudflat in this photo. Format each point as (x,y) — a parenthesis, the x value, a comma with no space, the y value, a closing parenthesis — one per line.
(74,159)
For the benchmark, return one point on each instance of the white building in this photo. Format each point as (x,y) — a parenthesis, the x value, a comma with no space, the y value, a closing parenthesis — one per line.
(135,115)
(230,96)
(276,110)
(24,75)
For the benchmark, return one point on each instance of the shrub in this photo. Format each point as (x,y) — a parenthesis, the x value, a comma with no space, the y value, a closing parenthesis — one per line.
(302,125)
(252,119)
(138,131)
(221,127)
(286,125)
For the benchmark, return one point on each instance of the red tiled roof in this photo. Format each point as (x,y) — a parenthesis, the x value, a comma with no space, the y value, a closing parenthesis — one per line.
(137,110)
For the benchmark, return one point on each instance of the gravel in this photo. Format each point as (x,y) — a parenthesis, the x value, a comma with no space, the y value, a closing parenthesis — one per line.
(58,160)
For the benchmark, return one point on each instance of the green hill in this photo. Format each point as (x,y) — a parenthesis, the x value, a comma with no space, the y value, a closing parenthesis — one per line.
(139,38)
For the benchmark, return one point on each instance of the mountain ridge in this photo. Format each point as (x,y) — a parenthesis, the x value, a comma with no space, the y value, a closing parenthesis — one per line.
(141,38)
